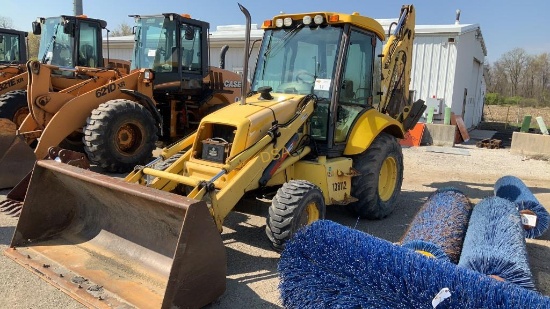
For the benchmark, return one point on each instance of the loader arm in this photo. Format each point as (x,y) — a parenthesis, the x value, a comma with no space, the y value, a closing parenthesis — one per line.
(396,71)
(12,77)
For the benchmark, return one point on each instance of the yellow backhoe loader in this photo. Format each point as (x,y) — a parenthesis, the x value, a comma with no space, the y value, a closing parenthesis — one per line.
(68,41)
(316,126)
(117,119)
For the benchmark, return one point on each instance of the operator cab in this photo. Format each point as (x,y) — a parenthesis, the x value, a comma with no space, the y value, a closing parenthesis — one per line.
(69,41)
(320,54)
(175,47)
(13,48)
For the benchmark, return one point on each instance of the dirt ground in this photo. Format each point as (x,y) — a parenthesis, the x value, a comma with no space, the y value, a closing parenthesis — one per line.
(252,266)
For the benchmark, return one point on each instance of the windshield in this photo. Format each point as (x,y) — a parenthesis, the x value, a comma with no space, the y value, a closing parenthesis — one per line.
(55,46)
(155,44)
(299,60)
(9,48)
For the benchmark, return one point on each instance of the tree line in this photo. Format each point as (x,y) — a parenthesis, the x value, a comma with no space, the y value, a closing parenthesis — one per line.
(518,78)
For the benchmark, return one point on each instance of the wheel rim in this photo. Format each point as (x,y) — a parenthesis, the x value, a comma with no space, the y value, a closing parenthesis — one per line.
(20,115)
(309,215)
(387,179)
(128,138)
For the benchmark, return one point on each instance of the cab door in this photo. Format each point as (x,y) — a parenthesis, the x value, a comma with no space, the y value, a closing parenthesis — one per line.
(357,90)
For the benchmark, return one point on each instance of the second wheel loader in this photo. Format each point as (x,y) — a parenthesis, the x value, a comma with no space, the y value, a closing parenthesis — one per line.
(320,127)
(65,41)
(117,119)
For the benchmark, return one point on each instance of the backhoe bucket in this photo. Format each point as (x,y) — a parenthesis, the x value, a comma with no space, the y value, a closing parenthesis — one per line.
(113,244)
(16,157)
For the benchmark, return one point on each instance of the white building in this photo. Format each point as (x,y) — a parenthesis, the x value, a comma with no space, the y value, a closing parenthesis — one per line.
(447,63)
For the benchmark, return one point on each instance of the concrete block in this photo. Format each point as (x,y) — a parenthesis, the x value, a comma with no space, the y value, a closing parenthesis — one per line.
(439,135)
(530,144)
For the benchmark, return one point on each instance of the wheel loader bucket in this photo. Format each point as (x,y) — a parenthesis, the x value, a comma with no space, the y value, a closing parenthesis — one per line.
(16,157)
(113,244)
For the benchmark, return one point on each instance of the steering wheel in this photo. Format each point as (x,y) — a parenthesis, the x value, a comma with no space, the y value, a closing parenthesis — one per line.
(305,77)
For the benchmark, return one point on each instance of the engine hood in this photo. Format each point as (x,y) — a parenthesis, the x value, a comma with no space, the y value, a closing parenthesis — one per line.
(253,119)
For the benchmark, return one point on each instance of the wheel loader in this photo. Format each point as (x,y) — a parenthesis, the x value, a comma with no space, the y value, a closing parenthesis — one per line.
(68,41)
(13,54)
(117,119)
(320,127)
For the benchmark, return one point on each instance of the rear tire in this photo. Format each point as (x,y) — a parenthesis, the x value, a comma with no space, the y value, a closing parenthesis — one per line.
(119,135)
(297,203)
(13,106)
(378,186)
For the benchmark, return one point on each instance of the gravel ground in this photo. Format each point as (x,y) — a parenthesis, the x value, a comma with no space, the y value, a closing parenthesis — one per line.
(252,265)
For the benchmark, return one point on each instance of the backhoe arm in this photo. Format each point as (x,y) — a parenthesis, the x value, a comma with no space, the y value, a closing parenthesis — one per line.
(396,71)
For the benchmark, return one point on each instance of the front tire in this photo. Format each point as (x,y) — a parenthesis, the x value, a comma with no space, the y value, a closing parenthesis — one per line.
(119,135)
(297,203)
(13,106)
(378,186)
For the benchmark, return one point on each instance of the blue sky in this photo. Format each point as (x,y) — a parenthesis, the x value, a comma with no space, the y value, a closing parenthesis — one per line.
(505,24)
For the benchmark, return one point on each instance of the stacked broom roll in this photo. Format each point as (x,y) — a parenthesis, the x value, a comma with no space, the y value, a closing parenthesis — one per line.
(327,265)
(514,190)
(439,227)
(495,243)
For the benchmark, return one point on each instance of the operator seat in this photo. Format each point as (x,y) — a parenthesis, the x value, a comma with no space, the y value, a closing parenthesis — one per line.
(86,57)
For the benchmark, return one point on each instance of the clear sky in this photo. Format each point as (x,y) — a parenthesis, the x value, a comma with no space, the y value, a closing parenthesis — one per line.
(505,24)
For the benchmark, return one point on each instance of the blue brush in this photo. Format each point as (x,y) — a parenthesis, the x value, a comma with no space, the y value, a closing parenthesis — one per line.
(440,223)
(327,265)
(495,242)
(514,190)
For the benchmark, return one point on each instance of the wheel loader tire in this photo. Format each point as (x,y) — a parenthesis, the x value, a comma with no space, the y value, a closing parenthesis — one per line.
(119,135)
(296,204)
(13,106)
(377,188)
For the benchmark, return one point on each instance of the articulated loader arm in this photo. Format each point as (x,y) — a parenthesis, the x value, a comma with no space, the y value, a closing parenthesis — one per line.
(396,72)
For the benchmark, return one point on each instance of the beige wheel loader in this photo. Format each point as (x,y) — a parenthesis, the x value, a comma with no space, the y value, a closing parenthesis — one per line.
(315,129)
(117,119)
(68,41)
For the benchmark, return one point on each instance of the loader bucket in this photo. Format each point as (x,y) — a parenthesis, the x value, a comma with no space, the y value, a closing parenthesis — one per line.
(16,157)
(113,244)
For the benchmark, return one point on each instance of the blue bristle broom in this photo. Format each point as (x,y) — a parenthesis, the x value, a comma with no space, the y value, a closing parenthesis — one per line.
(440,225)
(514,190)
(327,265)
(495,243)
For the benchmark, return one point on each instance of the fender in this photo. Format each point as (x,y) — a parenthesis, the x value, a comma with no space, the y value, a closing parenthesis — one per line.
(367,127)
(149,104)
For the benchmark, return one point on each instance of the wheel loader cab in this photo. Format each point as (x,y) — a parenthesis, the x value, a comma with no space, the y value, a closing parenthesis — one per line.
(175,47)
(307,54)
(12,46)
(69,41)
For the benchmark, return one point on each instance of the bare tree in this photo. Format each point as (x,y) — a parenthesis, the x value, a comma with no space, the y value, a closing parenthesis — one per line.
(6,22)
(514,63)
(33,45)
(122,30)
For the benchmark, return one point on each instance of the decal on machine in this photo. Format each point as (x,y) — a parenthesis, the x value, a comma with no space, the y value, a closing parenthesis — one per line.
(108,89)
(232,84)
(10,83)
(340,185)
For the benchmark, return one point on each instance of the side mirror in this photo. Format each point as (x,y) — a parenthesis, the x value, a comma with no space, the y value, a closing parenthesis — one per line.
(36,28)
(189,33)
(134,30)
(69,28)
